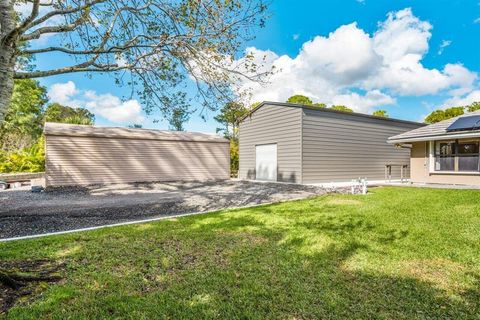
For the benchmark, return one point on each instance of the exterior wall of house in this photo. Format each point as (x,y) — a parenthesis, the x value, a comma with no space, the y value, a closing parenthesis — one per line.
(339,147)
(84,160)
(419,162)
(420,172)
(272,124)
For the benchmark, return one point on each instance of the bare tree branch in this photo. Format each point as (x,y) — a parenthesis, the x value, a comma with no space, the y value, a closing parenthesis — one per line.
(64,12)
(53,29)
(72,69)
(156,48)
(24,24)
(42,4)
(31,17)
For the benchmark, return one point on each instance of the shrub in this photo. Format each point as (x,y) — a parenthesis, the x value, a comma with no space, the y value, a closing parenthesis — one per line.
(31,159)
(234,163)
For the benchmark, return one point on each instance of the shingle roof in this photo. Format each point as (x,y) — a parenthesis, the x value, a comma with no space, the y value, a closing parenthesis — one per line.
(60,129)
(435,131)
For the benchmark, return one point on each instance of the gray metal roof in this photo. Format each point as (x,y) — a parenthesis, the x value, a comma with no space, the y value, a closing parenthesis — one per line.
(61,129)
(296,105)
(436,131)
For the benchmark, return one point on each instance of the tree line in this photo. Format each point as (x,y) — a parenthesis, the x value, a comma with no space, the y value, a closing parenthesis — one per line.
(21,132)
(444,114)
(304,100)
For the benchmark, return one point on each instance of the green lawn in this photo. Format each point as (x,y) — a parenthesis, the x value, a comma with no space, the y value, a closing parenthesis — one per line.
(397,253)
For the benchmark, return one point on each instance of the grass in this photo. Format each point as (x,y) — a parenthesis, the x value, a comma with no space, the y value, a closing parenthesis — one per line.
(397,253)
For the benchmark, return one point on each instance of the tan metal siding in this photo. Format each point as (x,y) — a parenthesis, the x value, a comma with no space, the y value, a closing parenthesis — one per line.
(340,147)
(83,160)
(272,124)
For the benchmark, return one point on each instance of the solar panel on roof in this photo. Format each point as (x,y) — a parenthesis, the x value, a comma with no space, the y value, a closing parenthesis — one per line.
(465,123)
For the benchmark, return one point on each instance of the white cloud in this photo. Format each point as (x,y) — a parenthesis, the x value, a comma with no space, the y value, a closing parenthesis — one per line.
(107,105)
(63,93)
(385,65)
(443,45)
(402,34)
(464,100)
(402,42)
(363,103)
(344,57)
(296,36)
(112,108)
(477,21)
(325,68)
(460,77)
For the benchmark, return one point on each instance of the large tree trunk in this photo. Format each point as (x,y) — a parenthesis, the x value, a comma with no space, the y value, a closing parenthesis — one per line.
(7,64)
(7,55)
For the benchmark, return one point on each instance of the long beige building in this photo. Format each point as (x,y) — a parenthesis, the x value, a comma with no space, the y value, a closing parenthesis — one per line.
(83,155)
(303,144)
(446,152)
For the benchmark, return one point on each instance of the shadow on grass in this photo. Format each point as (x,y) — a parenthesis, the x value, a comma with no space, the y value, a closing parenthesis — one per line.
(272,282)
(316,278)
(321,287)
(360,294)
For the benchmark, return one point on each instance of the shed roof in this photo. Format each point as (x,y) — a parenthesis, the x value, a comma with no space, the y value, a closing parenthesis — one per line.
(328,110)
(61,129)
(436,131)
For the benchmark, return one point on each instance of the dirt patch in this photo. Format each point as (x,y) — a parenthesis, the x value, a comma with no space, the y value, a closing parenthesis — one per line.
(181,255)
(23,280)
(438,271)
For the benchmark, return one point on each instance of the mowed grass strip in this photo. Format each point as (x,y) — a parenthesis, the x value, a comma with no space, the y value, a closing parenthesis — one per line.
(397,253)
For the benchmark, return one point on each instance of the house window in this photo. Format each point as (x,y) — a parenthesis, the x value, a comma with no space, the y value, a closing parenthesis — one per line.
(454,155)
(468,156)
(445,156)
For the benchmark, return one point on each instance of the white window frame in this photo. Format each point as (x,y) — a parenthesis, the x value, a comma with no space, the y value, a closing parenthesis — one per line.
(431,162)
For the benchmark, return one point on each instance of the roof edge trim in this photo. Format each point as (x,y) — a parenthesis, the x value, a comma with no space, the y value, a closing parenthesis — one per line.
(61,129)
(436,137)
(302,106)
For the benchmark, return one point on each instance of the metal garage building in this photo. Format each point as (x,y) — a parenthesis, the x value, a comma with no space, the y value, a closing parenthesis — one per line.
(82,155)
(303,144)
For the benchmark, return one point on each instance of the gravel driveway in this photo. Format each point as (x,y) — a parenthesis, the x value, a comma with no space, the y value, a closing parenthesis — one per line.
(25,213)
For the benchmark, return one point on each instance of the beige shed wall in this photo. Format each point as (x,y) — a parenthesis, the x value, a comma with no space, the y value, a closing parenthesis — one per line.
(74,160)
(419,163)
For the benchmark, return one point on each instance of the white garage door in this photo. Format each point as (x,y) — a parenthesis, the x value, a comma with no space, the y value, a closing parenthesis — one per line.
(266,162)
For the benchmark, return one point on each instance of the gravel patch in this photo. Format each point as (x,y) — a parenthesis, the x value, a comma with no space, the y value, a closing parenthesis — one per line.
(25,213)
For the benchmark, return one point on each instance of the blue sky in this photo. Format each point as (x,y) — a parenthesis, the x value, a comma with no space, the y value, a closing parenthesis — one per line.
(408,57)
